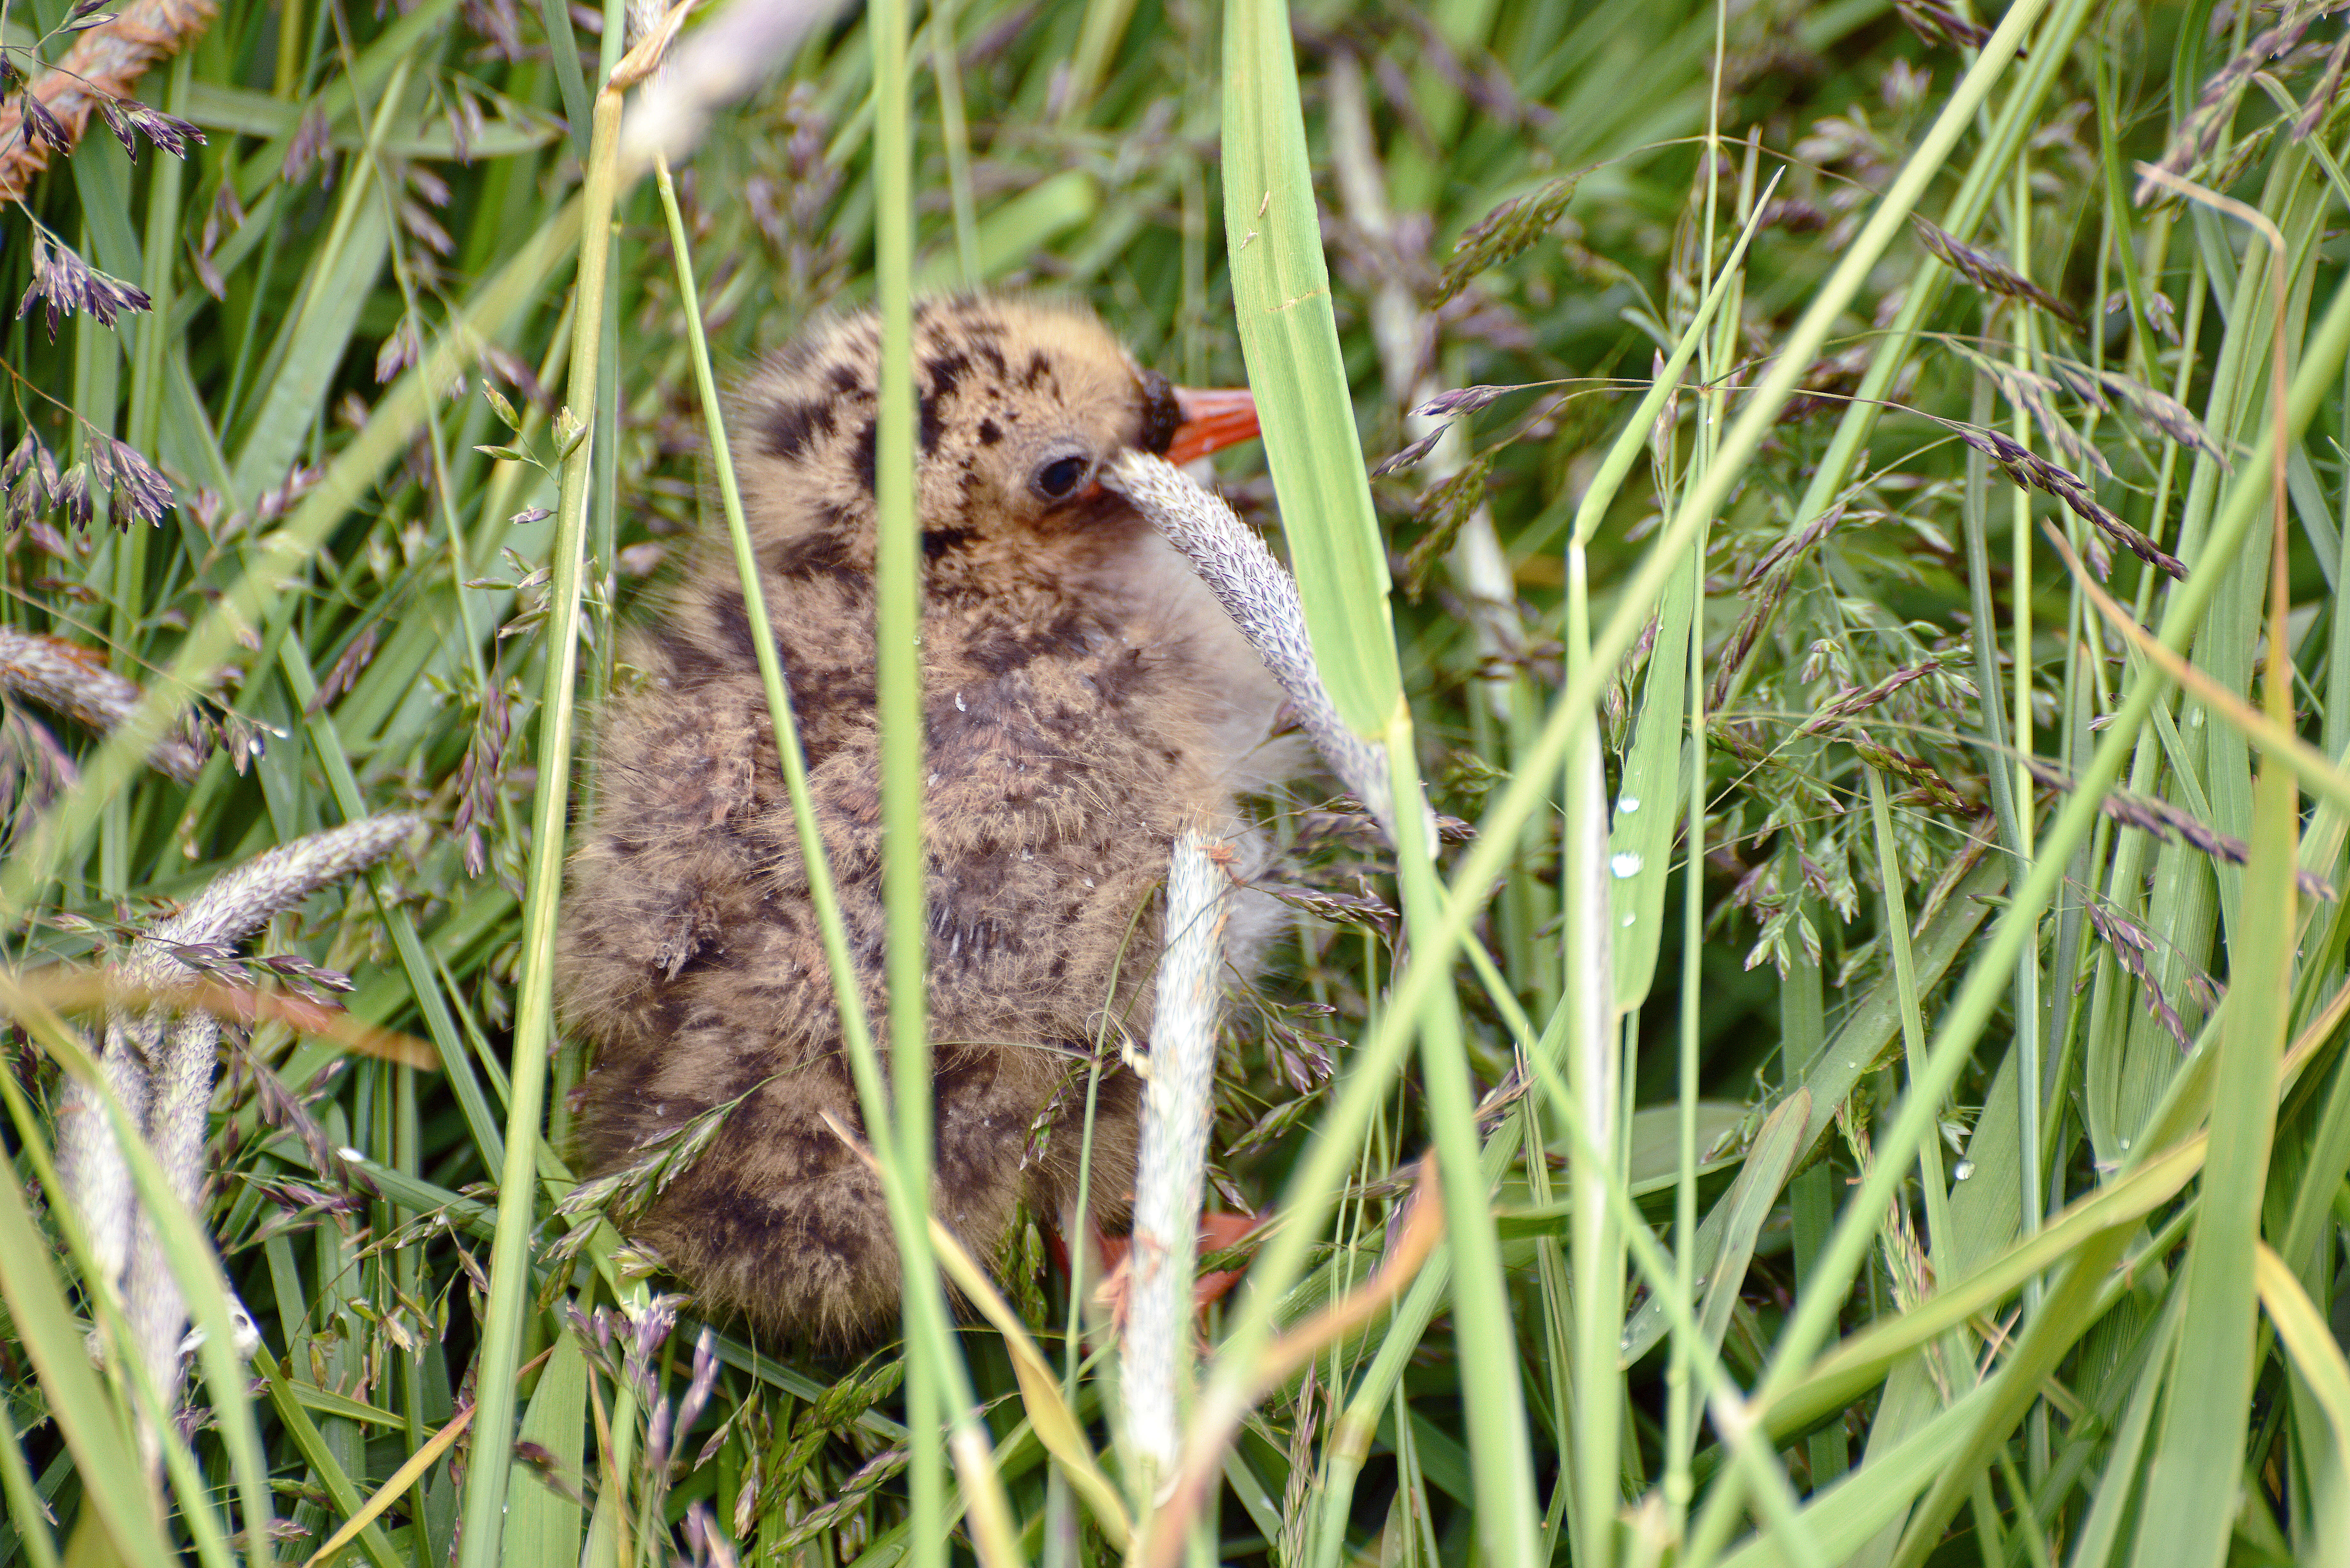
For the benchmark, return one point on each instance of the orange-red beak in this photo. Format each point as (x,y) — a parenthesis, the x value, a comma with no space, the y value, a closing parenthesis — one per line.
(1212,421)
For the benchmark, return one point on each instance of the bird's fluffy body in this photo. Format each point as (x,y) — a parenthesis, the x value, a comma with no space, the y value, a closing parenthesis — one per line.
(1084,699)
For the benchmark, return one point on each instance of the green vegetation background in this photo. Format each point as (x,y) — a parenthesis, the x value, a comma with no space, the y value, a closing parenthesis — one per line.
(353,370)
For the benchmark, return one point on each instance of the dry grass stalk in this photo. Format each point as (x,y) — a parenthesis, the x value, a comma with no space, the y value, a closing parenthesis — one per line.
(102,66)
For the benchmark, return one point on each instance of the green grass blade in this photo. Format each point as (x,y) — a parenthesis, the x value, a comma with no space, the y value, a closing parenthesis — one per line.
(1281,294)
(114,1481)
(510,1270)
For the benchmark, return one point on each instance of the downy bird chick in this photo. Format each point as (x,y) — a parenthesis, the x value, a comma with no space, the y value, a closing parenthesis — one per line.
(1085,700)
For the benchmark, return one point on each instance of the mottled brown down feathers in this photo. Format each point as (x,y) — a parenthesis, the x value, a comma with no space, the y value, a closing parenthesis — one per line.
(1083,699)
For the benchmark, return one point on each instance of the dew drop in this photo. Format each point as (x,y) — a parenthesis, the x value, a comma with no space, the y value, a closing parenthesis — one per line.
(1962,1170)
(1625,863)
(1631,920)
(1627,803)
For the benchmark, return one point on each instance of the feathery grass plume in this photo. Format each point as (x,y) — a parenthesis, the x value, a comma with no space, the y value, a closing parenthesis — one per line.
(34,771)
(2162,412)
(2036,394)
(159,1068)
(131,120)
(140,494)
(1263,602)
(1339,907)
(75,680)
(1409,456)
(2161,819)
(1744,637)
(100,73)
(2033,472)
(63,284)
(1447,407)
(1796,543)
(1830,380)
(311,148)
(623,1196)
(854,1494)
(1845,704)
(279,1106)
(674,1418)
(1154,1359)
(344,672)
(2215,106)
(1989,273)
(483,773)
(28,460)
(224,211)
(1468,400)
(1443,510)
(1505,231)
(43,130)
(1929,785)
(2132,946)
(1940,27)
(71,494)
(2321,97)
(1792,214)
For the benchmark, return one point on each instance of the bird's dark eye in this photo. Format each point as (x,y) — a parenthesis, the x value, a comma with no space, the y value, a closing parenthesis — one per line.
(1058,480)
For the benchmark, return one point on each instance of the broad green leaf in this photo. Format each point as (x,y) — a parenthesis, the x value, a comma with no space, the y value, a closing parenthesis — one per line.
(1749,1203)
(1281,294)
(313,343)
(543,1524)
(2198,1456)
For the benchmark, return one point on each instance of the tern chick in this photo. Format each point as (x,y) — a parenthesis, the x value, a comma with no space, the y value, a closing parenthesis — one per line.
(1085,700)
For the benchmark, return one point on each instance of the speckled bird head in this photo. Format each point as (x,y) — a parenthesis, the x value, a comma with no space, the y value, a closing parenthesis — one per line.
(1019,403)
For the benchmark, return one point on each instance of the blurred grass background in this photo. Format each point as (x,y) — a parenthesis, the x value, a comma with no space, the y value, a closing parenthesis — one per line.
(2001,1321)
